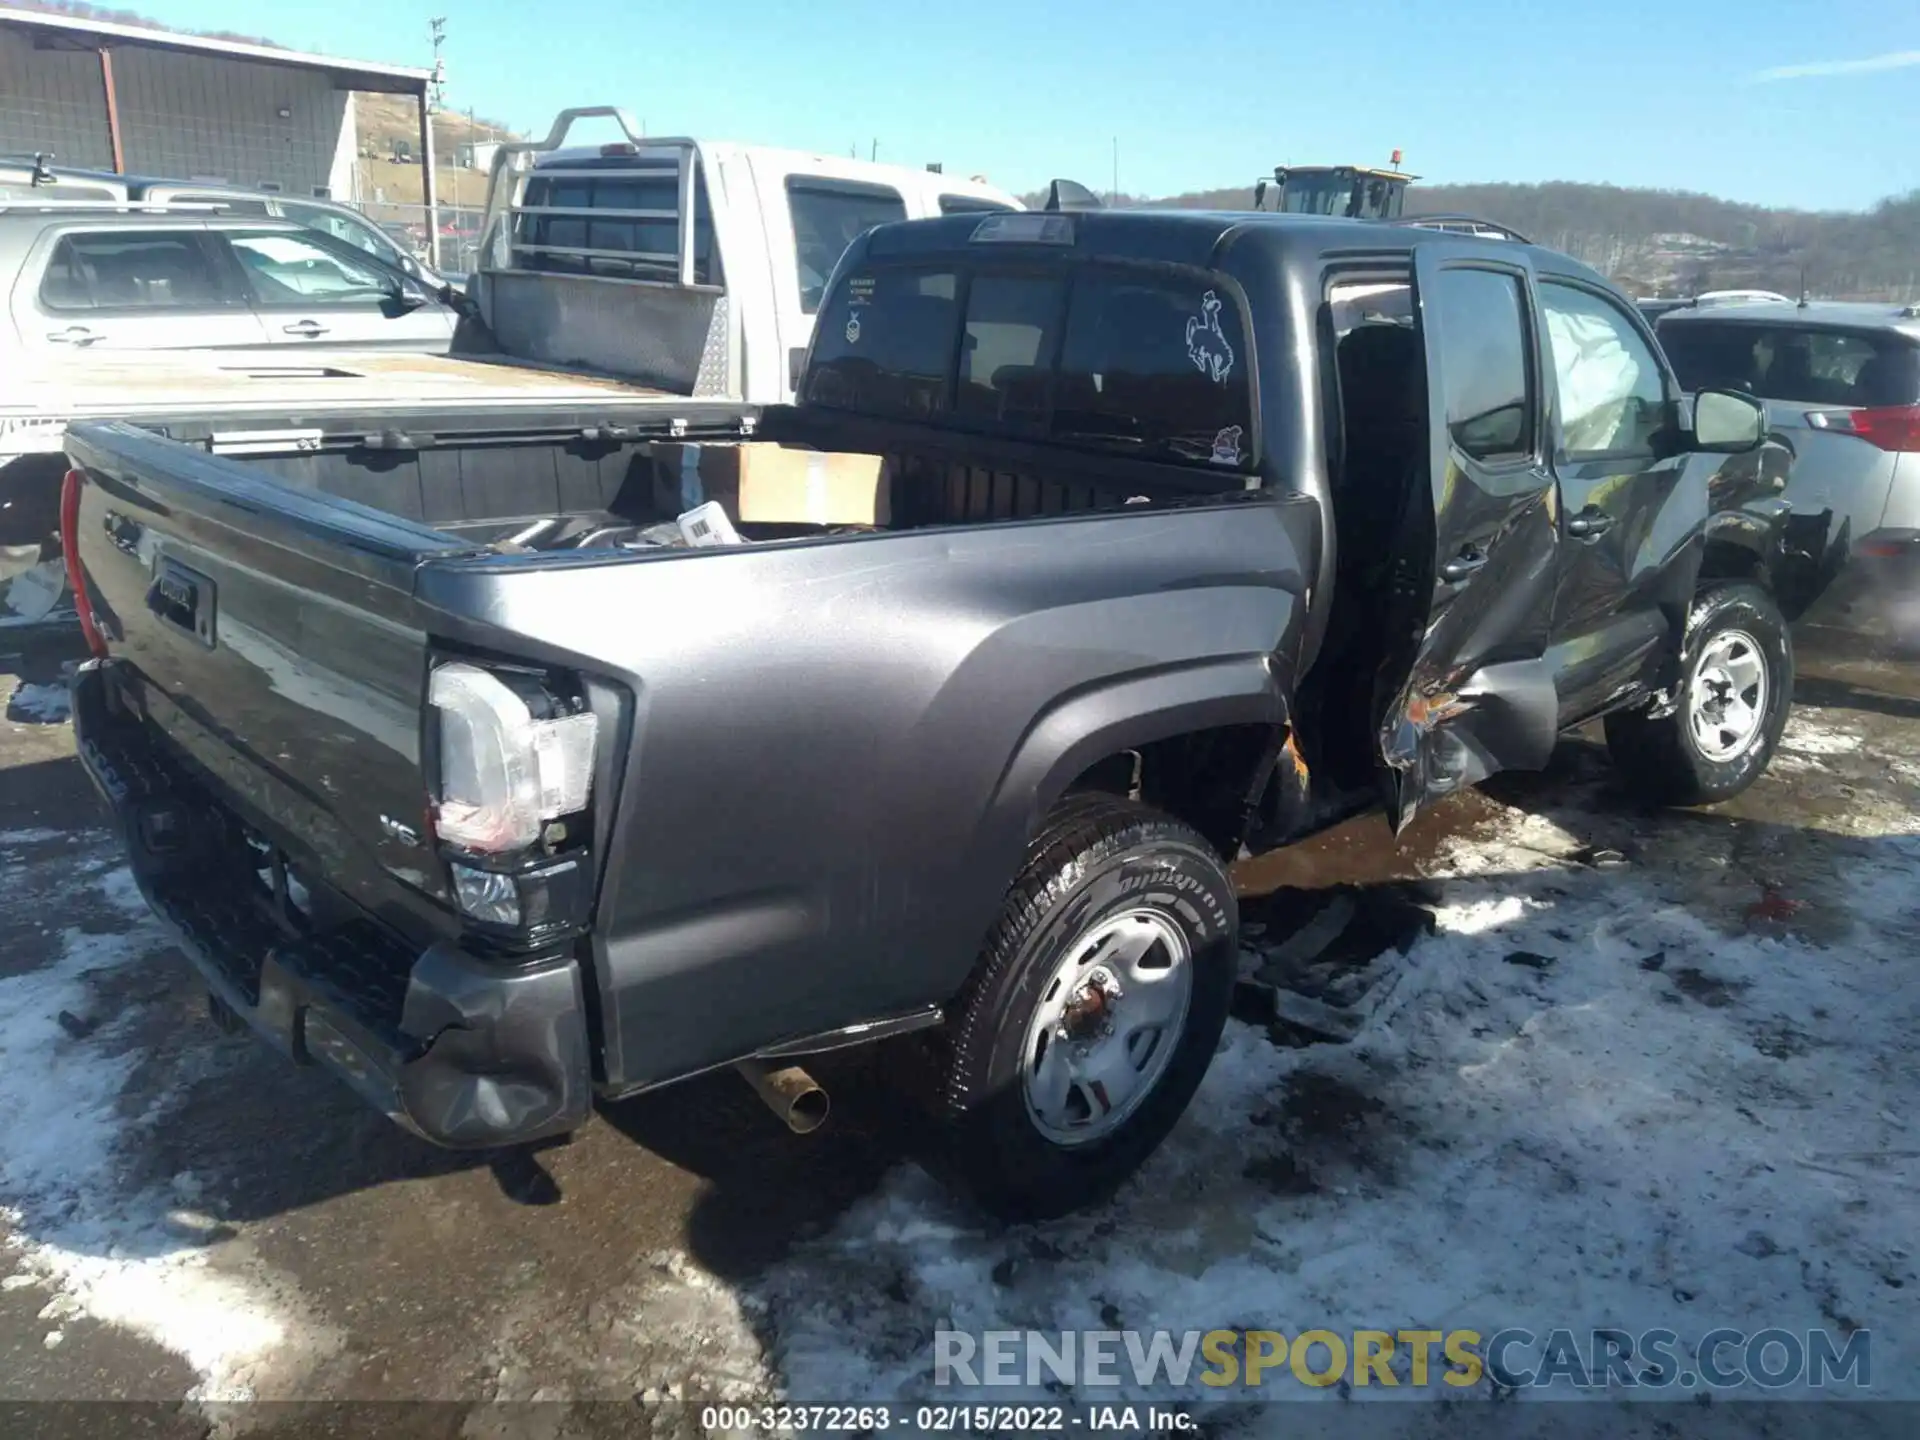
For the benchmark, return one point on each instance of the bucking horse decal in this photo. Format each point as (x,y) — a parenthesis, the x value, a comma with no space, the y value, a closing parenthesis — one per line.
(1207,345)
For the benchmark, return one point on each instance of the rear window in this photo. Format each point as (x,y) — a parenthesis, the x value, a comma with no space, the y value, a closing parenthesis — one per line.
(1106,358)
(559,231)
(1794,364)
(828,216)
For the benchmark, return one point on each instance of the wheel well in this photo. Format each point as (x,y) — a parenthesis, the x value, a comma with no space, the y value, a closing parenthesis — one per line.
(1725,560)
(1204,777)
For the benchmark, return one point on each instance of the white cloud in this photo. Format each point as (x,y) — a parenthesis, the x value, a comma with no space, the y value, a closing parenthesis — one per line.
(1892,60)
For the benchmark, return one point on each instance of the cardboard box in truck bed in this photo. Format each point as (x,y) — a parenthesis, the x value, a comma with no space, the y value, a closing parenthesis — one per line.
(776,485)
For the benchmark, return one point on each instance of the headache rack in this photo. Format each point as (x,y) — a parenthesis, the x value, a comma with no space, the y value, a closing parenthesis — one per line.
(503,235)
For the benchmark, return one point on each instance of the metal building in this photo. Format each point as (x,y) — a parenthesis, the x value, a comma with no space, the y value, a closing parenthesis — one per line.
(109,96)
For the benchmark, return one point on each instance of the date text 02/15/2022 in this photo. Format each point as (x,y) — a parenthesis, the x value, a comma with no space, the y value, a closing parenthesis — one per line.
(944,1419)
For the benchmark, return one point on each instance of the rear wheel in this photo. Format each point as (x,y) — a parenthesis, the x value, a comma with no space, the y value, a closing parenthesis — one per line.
(1736,685)
(1094,1010)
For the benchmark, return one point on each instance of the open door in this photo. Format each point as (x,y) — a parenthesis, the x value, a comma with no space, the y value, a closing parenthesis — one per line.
(1477,692)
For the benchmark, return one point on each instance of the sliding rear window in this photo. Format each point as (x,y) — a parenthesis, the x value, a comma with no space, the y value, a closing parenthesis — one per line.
(1137,361)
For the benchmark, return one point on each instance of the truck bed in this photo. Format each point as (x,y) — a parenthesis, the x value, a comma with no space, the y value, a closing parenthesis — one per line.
(351,415)
(272,642)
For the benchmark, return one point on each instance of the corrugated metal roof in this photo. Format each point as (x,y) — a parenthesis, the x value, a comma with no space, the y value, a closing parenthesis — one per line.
(347,74)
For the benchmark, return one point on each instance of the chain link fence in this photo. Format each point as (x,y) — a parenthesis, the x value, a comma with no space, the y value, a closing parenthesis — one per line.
(453,251)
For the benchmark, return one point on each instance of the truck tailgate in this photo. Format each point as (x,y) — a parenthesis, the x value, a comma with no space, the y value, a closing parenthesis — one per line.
(272,636)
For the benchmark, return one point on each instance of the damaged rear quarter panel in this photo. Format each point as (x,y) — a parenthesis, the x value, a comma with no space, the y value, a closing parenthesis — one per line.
(839,749)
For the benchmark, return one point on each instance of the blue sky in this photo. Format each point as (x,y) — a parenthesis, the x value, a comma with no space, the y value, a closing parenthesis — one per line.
(1773,101)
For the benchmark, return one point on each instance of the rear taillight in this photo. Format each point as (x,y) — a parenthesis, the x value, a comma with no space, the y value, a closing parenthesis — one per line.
(512,772)
(76,573)
(503,773)
(1889,427)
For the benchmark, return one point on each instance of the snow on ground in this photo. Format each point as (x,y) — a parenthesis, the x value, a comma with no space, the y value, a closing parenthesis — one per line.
(1581,1102)
(147,1260)
(1609,1089)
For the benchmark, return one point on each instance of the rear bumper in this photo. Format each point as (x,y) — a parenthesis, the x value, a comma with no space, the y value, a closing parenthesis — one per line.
(463,1051)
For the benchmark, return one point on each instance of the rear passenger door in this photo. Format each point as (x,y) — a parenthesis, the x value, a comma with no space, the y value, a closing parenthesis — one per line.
(124,289)
(1478,695)
(1626,521)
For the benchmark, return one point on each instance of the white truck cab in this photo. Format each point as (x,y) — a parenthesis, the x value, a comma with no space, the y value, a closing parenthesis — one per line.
(622,283)
(695,265)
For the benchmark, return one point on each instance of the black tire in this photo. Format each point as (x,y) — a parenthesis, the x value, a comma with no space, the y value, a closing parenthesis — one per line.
(1659,758)
(1096,858)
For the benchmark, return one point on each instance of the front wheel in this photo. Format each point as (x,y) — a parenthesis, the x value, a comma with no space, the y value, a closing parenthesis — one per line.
(1093,1012)
(1736,685)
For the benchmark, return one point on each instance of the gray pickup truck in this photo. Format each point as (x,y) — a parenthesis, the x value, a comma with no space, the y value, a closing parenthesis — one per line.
(1099,548)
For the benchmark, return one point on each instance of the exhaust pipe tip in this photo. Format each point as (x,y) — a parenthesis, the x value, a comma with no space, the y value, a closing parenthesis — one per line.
(790,1092)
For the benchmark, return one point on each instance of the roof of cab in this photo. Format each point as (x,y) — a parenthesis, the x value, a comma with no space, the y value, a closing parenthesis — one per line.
(1196,237)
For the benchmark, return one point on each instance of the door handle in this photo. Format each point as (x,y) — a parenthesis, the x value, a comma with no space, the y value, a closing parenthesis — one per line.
(306,328)
(73,335)
(1589,524)
(1463,565)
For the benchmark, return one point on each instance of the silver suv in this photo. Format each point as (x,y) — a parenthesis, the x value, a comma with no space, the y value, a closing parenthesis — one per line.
(33,178)
(85,278)
(1842,386)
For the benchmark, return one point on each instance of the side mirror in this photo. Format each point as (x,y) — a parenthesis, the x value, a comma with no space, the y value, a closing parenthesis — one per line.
(399,296)
(1728,422)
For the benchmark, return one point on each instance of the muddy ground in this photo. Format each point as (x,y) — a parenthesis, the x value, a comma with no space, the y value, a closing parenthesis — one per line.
(191,1219)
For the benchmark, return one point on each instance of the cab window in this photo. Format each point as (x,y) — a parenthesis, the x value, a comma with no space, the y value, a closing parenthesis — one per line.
(1487,381)
(828,216)
(1613,396)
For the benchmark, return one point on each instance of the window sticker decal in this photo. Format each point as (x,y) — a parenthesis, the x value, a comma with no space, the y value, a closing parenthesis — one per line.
(1207,345)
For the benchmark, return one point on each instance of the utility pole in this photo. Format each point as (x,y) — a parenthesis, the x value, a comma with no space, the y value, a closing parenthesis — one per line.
(430,102)
(1113,196)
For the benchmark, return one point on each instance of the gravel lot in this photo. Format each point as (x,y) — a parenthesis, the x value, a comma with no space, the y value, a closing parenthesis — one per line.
(1605,1068)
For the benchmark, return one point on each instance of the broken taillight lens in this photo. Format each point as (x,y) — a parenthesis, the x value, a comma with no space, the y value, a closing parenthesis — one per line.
(76,572)
(1888,427)
(503,772)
